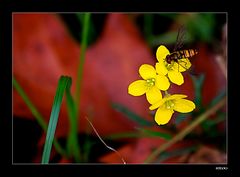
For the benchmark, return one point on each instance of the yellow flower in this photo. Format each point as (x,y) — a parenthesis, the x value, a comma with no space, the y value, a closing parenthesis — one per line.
(168,105)
(151,84)
(174,69)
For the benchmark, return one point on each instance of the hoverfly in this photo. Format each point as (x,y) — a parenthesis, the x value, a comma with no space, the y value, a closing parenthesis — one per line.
(177,55)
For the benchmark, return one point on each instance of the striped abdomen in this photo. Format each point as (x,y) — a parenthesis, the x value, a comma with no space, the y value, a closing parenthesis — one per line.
(181,54)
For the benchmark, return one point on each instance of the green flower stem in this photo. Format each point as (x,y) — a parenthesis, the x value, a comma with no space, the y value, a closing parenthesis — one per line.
(185,131)
(39,118)
(82,58)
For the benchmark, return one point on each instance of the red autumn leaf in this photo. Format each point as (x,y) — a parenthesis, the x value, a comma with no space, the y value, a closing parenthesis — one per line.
(43,50)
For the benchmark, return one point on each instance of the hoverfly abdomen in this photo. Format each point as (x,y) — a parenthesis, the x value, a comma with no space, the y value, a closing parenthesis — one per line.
(188,53)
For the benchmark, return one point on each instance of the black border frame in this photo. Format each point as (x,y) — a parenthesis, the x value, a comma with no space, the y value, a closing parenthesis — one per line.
(116,170)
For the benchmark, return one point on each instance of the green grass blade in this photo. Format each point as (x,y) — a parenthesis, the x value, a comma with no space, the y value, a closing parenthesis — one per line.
(131,115)
(73,147)
(62,85)
(30,105)
(39,118)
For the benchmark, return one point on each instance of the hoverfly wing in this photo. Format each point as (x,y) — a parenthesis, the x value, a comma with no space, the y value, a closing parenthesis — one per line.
(180,38)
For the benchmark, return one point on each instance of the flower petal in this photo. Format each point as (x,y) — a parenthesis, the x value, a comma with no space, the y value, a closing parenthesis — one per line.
(163,115)
(182,65)
(161,68)
(184,105)
(147,71)
(153,95)
(162,82)
(157,104)
(176,97)
(161,53)
(176,77)
(137,88)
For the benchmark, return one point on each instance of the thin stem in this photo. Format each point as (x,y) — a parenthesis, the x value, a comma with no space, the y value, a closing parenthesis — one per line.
(112,149)
(185,131)
(81,59)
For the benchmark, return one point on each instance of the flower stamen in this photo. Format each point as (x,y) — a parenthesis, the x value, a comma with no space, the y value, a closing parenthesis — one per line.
(169,65)
(150,82)
(169,104)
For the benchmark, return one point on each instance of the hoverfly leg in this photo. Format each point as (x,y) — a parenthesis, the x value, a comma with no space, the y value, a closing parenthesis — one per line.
(185,67)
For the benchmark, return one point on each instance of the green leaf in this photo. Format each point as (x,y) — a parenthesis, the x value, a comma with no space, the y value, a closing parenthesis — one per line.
(63,83)
(208,125)
(201,26)
(198,84)
(139,134)
(123,135)
(181,117)
(169,154)
(131,115)
(217,98)
(152,133)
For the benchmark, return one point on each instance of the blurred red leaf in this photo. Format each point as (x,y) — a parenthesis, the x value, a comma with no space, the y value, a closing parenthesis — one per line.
(43,50)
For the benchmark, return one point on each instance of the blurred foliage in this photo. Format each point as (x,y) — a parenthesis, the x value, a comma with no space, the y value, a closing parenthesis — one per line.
(156,27)
(166,136)
(131,115)
(179,152)
(201,27)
